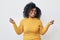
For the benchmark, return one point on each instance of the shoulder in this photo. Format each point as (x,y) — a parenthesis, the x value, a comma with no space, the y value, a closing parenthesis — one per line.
(23,19)
(39,20)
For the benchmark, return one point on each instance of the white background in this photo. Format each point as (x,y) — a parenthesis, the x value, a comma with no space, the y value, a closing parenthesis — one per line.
(14,9)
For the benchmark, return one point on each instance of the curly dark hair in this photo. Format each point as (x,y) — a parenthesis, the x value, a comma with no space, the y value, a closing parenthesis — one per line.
(38,13)
(27,9)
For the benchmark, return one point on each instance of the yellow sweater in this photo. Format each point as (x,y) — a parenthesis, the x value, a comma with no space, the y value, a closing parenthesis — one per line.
(32,28)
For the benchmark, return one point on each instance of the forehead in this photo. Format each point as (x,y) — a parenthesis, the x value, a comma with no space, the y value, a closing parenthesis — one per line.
(34,9)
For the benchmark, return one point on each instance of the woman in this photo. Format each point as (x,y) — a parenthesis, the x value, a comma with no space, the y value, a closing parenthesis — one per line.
(31,25)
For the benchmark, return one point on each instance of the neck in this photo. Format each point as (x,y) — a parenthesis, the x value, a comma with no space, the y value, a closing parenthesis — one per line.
(31,17)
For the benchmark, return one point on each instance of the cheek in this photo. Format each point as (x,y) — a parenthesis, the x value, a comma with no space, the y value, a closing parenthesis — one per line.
(35,12)
(30,13)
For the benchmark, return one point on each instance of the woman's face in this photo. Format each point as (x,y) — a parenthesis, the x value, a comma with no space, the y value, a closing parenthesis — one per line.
(32,13)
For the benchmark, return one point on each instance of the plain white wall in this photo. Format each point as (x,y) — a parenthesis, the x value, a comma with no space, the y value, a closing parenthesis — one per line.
(14,9)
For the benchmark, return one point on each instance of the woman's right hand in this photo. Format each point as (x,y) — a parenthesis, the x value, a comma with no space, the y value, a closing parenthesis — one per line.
(11,21)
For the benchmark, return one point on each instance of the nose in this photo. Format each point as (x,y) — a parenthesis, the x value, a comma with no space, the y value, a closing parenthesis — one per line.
(34,12)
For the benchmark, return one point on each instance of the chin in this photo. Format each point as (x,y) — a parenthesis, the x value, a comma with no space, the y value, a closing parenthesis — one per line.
(33,17)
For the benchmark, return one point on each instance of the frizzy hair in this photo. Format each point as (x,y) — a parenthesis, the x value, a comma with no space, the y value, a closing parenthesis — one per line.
(27,9)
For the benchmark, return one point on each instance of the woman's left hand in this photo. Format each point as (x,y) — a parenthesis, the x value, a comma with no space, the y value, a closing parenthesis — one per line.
(51,22)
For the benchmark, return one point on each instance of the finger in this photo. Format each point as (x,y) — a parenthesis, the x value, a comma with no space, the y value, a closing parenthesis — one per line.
(52,21)
(11,19)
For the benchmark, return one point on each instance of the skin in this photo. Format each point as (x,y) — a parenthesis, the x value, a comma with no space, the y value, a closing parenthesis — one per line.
(32,14)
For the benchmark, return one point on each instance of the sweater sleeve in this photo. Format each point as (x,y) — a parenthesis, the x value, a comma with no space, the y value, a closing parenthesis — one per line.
(43,30)
(18,29)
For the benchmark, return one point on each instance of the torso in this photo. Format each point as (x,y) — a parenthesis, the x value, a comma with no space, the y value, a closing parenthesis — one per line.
(31,29)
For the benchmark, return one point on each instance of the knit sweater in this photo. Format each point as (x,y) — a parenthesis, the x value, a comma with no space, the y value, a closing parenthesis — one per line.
(32,28)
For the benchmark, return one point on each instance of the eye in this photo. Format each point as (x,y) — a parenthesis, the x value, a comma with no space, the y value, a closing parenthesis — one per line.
(32,10)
